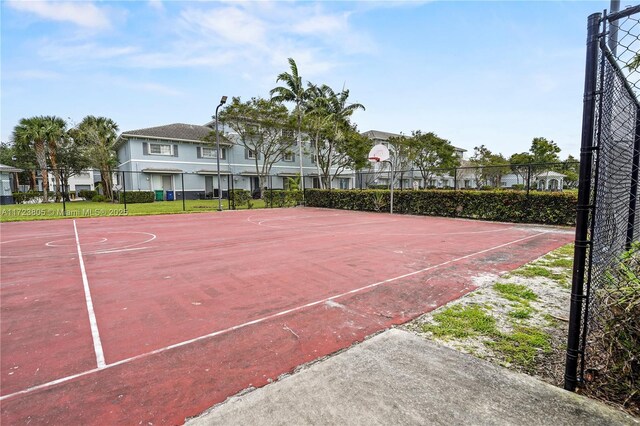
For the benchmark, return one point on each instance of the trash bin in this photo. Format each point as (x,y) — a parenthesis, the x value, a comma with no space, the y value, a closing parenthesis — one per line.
(169,195)
(159,195)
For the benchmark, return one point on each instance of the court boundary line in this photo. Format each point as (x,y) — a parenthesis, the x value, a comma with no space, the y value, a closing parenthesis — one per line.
(259,320)
(95,333)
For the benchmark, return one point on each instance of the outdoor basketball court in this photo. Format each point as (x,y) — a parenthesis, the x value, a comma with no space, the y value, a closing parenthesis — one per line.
(153,319)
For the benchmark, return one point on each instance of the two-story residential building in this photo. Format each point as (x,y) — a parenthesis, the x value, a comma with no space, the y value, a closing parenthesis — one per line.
(175,158)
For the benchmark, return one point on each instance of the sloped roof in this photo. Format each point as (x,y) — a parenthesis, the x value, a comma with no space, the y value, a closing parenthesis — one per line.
(9,169)
(176,131)
(377,134)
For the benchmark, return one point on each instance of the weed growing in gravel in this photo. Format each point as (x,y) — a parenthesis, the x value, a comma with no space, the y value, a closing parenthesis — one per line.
(460,322)
(522,345)
(515,292)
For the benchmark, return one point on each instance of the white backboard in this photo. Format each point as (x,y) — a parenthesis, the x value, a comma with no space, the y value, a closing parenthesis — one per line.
(380,151)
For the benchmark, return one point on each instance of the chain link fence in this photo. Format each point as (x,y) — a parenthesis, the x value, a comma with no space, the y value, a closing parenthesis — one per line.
(525,177)
(603,353)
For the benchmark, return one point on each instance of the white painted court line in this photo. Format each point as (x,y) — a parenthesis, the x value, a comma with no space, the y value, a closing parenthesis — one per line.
(97,344)
(263,319)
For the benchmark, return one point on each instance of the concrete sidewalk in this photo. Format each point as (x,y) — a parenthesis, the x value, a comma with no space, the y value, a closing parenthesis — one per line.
(399,378)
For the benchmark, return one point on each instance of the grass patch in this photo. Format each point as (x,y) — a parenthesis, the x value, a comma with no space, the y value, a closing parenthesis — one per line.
(534,271)
(515,292)
(551,321)
(461,322)
(560,263)
(565,251)
(522,346)
(76,209)
(522,313)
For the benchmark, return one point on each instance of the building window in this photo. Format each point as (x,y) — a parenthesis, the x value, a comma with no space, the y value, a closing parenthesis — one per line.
(250,154)
(160,149)
(344,183)
(289,157)
(210,152)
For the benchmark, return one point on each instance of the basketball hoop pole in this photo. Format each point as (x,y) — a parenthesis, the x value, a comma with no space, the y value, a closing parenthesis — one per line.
(377,160)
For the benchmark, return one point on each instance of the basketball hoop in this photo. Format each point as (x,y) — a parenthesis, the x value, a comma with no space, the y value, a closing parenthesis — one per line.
(374,159)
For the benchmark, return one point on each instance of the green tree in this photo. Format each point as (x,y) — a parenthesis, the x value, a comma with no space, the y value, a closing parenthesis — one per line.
(16,156)
(432,155)
(56,130)
(72,159)
(520,166)
(97,136)
(544,151)
(570,169)
(335,144)
(490,167)
(265,130)
(293,91)
(31,133)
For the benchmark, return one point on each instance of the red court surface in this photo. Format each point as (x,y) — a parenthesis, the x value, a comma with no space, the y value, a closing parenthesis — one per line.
(149,320)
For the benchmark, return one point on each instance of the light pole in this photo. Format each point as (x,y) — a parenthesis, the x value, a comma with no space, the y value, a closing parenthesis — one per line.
(223,100)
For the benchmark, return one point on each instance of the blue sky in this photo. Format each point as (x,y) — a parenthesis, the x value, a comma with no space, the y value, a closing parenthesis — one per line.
(492,73)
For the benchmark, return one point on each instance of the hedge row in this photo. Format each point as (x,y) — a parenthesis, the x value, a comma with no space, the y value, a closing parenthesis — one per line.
(553,208)
(133,197)
(25,197)
(282,198)
(87,194)
(240,196)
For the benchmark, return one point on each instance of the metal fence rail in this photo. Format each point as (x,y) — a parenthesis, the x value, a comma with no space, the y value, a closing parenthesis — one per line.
(606,270)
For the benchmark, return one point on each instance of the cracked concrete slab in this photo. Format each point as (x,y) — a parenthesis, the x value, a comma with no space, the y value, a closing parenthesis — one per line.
(397,377)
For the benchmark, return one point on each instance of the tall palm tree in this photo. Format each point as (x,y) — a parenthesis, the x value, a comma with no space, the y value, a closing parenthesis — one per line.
(99,135)
(32,133)
(292,91)
(329,120)
(339,113)
(55,130)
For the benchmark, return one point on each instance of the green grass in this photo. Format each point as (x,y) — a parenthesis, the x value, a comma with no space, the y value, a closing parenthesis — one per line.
(515,292)
(522,313)
(522,345)
(76,209)
(560,263)
(460,322)
(565,251)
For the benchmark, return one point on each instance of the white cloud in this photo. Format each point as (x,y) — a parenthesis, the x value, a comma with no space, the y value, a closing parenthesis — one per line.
(83,14)
(90,51)
(156,4)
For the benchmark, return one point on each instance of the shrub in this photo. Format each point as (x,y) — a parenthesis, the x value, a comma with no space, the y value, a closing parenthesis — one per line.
(99,198)
(240,196)
(87,194)
(282,198)
(133,197)
(27,197)
(614,344)
(507,206)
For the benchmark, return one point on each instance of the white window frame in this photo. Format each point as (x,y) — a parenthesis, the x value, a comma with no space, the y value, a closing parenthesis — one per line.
(288,157)
(251,154)
(213,152)
(152,144)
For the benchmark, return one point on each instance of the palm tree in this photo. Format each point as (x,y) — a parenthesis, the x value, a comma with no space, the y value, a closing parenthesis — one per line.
(340,112)
(292,91)
(331,116)
(55,130)
(32,133)
(99,135)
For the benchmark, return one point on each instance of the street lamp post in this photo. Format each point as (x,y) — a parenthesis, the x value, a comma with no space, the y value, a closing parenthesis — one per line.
(223,100)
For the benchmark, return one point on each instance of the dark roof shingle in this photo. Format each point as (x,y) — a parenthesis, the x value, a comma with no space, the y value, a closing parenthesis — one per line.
(187,132)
